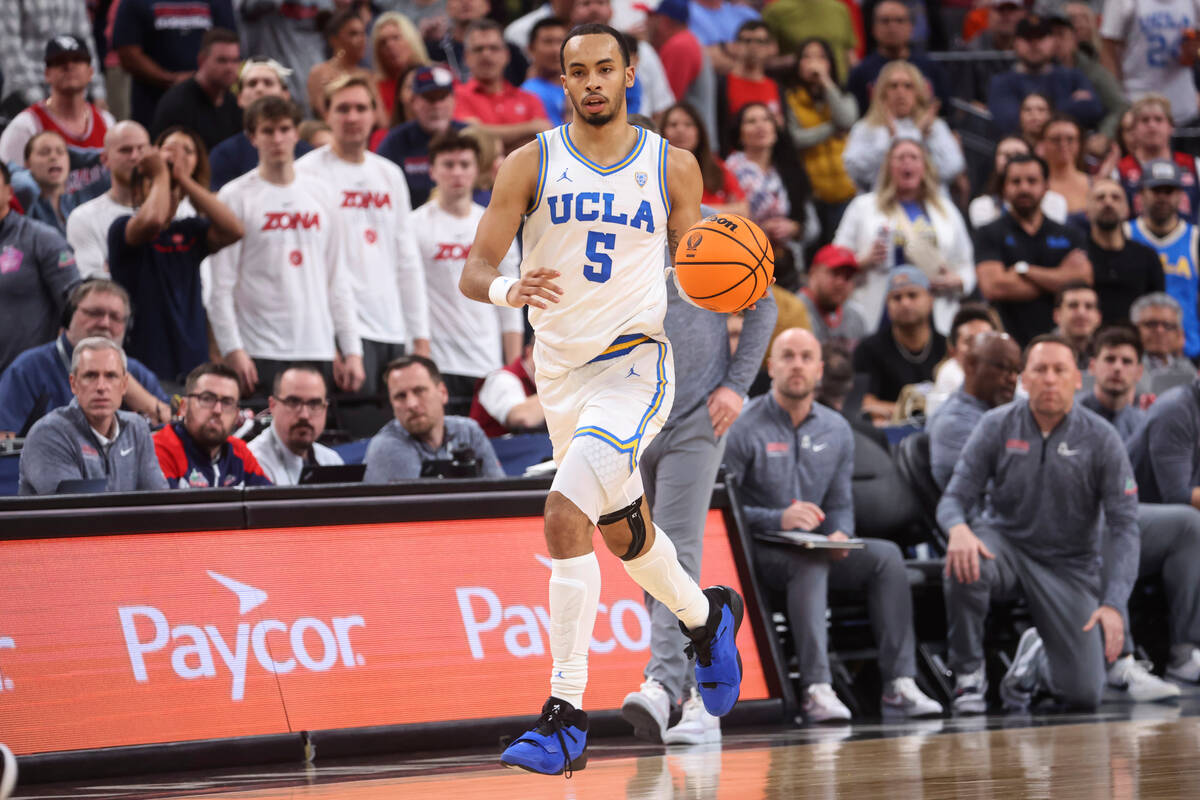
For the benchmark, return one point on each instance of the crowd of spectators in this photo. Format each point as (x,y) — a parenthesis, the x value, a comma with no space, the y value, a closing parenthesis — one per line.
(207,205)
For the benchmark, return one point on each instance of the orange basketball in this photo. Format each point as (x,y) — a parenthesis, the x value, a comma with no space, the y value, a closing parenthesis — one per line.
(724,263)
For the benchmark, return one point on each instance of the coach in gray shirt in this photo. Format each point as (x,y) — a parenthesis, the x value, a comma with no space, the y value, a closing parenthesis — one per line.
(990,370)
(421,431)
(1061,486)
(792,460)
(91,438)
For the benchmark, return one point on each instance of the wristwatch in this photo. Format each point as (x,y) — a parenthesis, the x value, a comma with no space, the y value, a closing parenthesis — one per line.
(1021,267)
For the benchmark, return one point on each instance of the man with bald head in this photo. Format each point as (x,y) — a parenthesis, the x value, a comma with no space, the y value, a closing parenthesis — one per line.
(990,369)
(1121,269)
(792,460)
(1060,494)
(87,226)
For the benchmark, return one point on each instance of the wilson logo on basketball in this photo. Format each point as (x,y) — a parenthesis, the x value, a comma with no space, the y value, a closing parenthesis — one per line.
(283,221)
(366,199)
(728,223)
(278,647)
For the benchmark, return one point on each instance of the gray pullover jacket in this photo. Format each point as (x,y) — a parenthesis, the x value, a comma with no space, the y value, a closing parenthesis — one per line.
(949,431)
(1050,496)
(1164,451)
(62,446)
(774,463)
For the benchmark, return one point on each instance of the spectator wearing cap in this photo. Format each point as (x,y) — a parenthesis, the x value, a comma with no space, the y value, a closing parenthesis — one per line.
(29,26)
(298,403)
(450,47)
(38,380)
(1158,318)
(908,219)
(236,156)
(1069,53)
(545,47)
(91,438)
(831,276)
(689,70)
(1024,258)
(976,75)
(906,348)
(68,113)
(1068,91)
(1056,525)
(158,42)
(204,102)
(991,363)
(1141,46)
(37,272)
(488,99)
(971,319)
(1150,140)
(1161,227)
(1122,269)
(792,22)
(408,145)
(892,28)
(199,451)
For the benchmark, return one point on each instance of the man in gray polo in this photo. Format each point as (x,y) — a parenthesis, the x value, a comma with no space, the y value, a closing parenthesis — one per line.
(91,438)
(1061,495)
(422,438)
(678,472)
(792,460)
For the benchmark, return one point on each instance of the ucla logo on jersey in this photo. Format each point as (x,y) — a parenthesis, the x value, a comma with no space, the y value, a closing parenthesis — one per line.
(641,178)
(597,206)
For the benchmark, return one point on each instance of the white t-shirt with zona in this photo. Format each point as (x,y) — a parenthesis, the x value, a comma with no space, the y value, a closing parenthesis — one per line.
(384,268)
(283,291)
(464,334)
(1152,31)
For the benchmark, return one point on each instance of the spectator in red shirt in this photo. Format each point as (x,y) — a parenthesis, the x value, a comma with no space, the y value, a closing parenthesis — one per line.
(747,81)
(689,72)
(682,127)
(510,114)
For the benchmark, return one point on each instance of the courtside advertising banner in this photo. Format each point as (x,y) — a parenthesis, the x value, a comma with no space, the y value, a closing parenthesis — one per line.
(125,640)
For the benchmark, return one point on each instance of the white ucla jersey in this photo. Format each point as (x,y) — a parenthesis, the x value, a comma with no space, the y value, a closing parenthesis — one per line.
(605,230)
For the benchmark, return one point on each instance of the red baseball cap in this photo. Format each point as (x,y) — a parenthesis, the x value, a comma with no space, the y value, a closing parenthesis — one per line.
(834,256)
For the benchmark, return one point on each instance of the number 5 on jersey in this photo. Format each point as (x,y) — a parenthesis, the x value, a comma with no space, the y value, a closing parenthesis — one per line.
(597,245)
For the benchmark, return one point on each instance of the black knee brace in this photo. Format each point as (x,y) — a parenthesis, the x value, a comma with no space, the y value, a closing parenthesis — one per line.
(637,526)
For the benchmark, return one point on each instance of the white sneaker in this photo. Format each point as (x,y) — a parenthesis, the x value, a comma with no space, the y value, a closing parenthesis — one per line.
(901,696)
(1188,670)
(821,704)
(696,726)
(648,710)
(1023,679)
(970,692)
(8,772)
(1138,682)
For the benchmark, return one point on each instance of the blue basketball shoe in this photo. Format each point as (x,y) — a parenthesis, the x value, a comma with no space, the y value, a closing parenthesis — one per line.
(718,663)
(556,744)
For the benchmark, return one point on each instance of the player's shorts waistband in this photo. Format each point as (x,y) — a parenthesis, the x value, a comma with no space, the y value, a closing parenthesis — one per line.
(621,345)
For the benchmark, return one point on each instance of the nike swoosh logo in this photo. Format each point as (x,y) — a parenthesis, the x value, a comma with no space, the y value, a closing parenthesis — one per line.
(1067,452)
(127,451)
(816,448)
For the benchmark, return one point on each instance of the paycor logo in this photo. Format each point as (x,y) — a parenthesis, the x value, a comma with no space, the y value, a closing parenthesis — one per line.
(307,642)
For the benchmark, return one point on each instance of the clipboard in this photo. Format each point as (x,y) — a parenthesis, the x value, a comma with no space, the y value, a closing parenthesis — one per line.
(809,541)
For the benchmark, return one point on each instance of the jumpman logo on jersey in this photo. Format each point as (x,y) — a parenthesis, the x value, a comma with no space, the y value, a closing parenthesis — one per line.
(632,373)
(564,177)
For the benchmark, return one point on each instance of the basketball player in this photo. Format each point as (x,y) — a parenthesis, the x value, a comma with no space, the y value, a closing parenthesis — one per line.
(600,199)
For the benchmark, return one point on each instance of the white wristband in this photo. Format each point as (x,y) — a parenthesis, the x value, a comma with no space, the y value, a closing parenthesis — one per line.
(498,291)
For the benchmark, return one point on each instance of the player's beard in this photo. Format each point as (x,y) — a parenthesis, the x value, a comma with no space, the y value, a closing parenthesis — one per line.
(600,120)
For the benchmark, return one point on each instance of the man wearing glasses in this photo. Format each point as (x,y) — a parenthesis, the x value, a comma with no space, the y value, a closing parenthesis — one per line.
(38,380)
(198,452)
(1159,320)
(298,404)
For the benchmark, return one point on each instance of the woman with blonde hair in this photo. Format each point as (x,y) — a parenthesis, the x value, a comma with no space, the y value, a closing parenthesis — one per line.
(901,107)
(396,47)
(908,219)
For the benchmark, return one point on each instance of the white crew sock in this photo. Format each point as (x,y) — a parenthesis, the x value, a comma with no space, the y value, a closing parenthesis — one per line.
(574,595)
(659,572)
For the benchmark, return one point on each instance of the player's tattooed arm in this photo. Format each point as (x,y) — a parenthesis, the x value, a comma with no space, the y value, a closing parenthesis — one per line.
(515,186)
(684,187)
